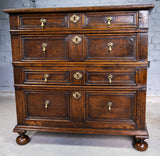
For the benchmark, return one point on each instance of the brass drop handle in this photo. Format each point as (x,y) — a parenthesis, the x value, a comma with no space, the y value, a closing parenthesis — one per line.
(46,103)
(74,18)
(110,44)
(77,95)
(77,75)
(46,77)
(44,45)
(109,106)
(109,19)
(42,20)
(110,76)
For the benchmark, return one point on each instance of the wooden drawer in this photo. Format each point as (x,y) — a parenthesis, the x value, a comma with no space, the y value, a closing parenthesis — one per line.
(44,47)
(78,48)
(77,108)
(47,104)
(43,21)
(46,77)
(111,20)
(94,20)
(111,78)
(101,108)
(102,76)
(110,47)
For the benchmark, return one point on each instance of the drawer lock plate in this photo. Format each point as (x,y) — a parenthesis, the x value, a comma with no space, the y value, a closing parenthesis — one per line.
(74,18)
(77,75)
(77,95)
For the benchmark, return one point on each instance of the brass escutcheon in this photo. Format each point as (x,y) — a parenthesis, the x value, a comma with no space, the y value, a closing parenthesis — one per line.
(74,18)
(77,95)
(76,39)
(77,75)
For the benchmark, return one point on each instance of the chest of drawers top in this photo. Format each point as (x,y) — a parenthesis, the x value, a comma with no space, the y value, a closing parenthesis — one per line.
(80,18)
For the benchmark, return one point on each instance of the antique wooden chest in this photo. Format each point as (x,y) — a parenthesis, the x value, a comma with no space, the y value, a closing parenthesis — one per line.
(81,70)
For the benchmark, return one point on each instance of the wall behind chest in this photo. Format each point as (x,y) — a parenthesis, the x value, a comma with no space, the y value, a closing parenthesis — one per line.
(6,76)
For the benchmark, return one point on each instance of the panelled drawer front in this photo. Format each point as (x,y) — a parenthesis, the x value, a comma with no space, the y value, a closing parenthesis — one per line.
(111,78)
(110,47)
(46,77)
(80,47)
(76,108)
(93,20)
(45,48)
(111,20)
(46,104)
(104,107)
(107,76)
(43,21)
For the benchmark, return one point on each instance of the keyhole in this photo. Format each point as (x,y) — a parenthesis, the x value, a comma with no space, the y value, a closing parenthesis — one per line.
(74,18)
(76,39)
(76,95)
(77,75)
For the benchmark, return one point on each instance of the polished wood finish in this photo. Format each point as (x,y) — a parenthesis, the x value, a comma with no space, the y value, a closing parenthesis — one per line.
(22,139)
(140,144)
(81,70)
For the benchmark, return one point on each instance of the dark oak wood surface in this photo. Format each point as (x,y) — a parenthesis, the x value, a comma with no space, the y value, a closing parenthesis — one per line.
(81,70)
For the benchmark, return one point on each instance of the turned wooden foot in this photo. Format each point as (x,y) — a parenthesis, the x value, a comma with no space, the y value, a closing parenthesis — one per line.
(140,144)
(22,139)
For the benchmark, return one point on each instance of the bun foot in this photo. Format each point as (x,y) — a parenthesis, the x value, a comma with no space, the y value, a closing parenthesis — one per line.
(140,145)
(22,139)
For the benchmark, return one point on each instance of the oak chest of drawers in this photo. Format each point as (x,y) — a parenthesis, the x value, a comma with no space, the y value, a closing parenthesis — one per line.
(81,70)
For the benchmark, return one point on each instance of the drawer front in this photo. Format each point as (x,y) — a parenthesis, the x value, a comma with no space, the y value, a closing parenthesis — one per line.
(110,47)
(43,21)
(105,75)
(77,108)
(46,77)
(111,78)
(45,48)
(79,47)
(54,105)
(111,20)
(101,108)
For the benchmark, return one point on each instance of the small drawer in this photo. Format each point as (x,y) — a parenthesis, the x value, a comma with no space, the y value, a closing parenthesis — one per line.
(46,77)
(44,48)
(111,20)
(47,104)
(110,78)
(110,105)
(43,21)
(110,47)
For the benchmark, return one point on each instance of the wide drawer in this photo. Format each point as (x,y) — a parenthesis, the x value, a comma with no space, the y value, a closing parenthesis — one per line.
(89,20)
(78,108)
(107,76)
(86,47)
